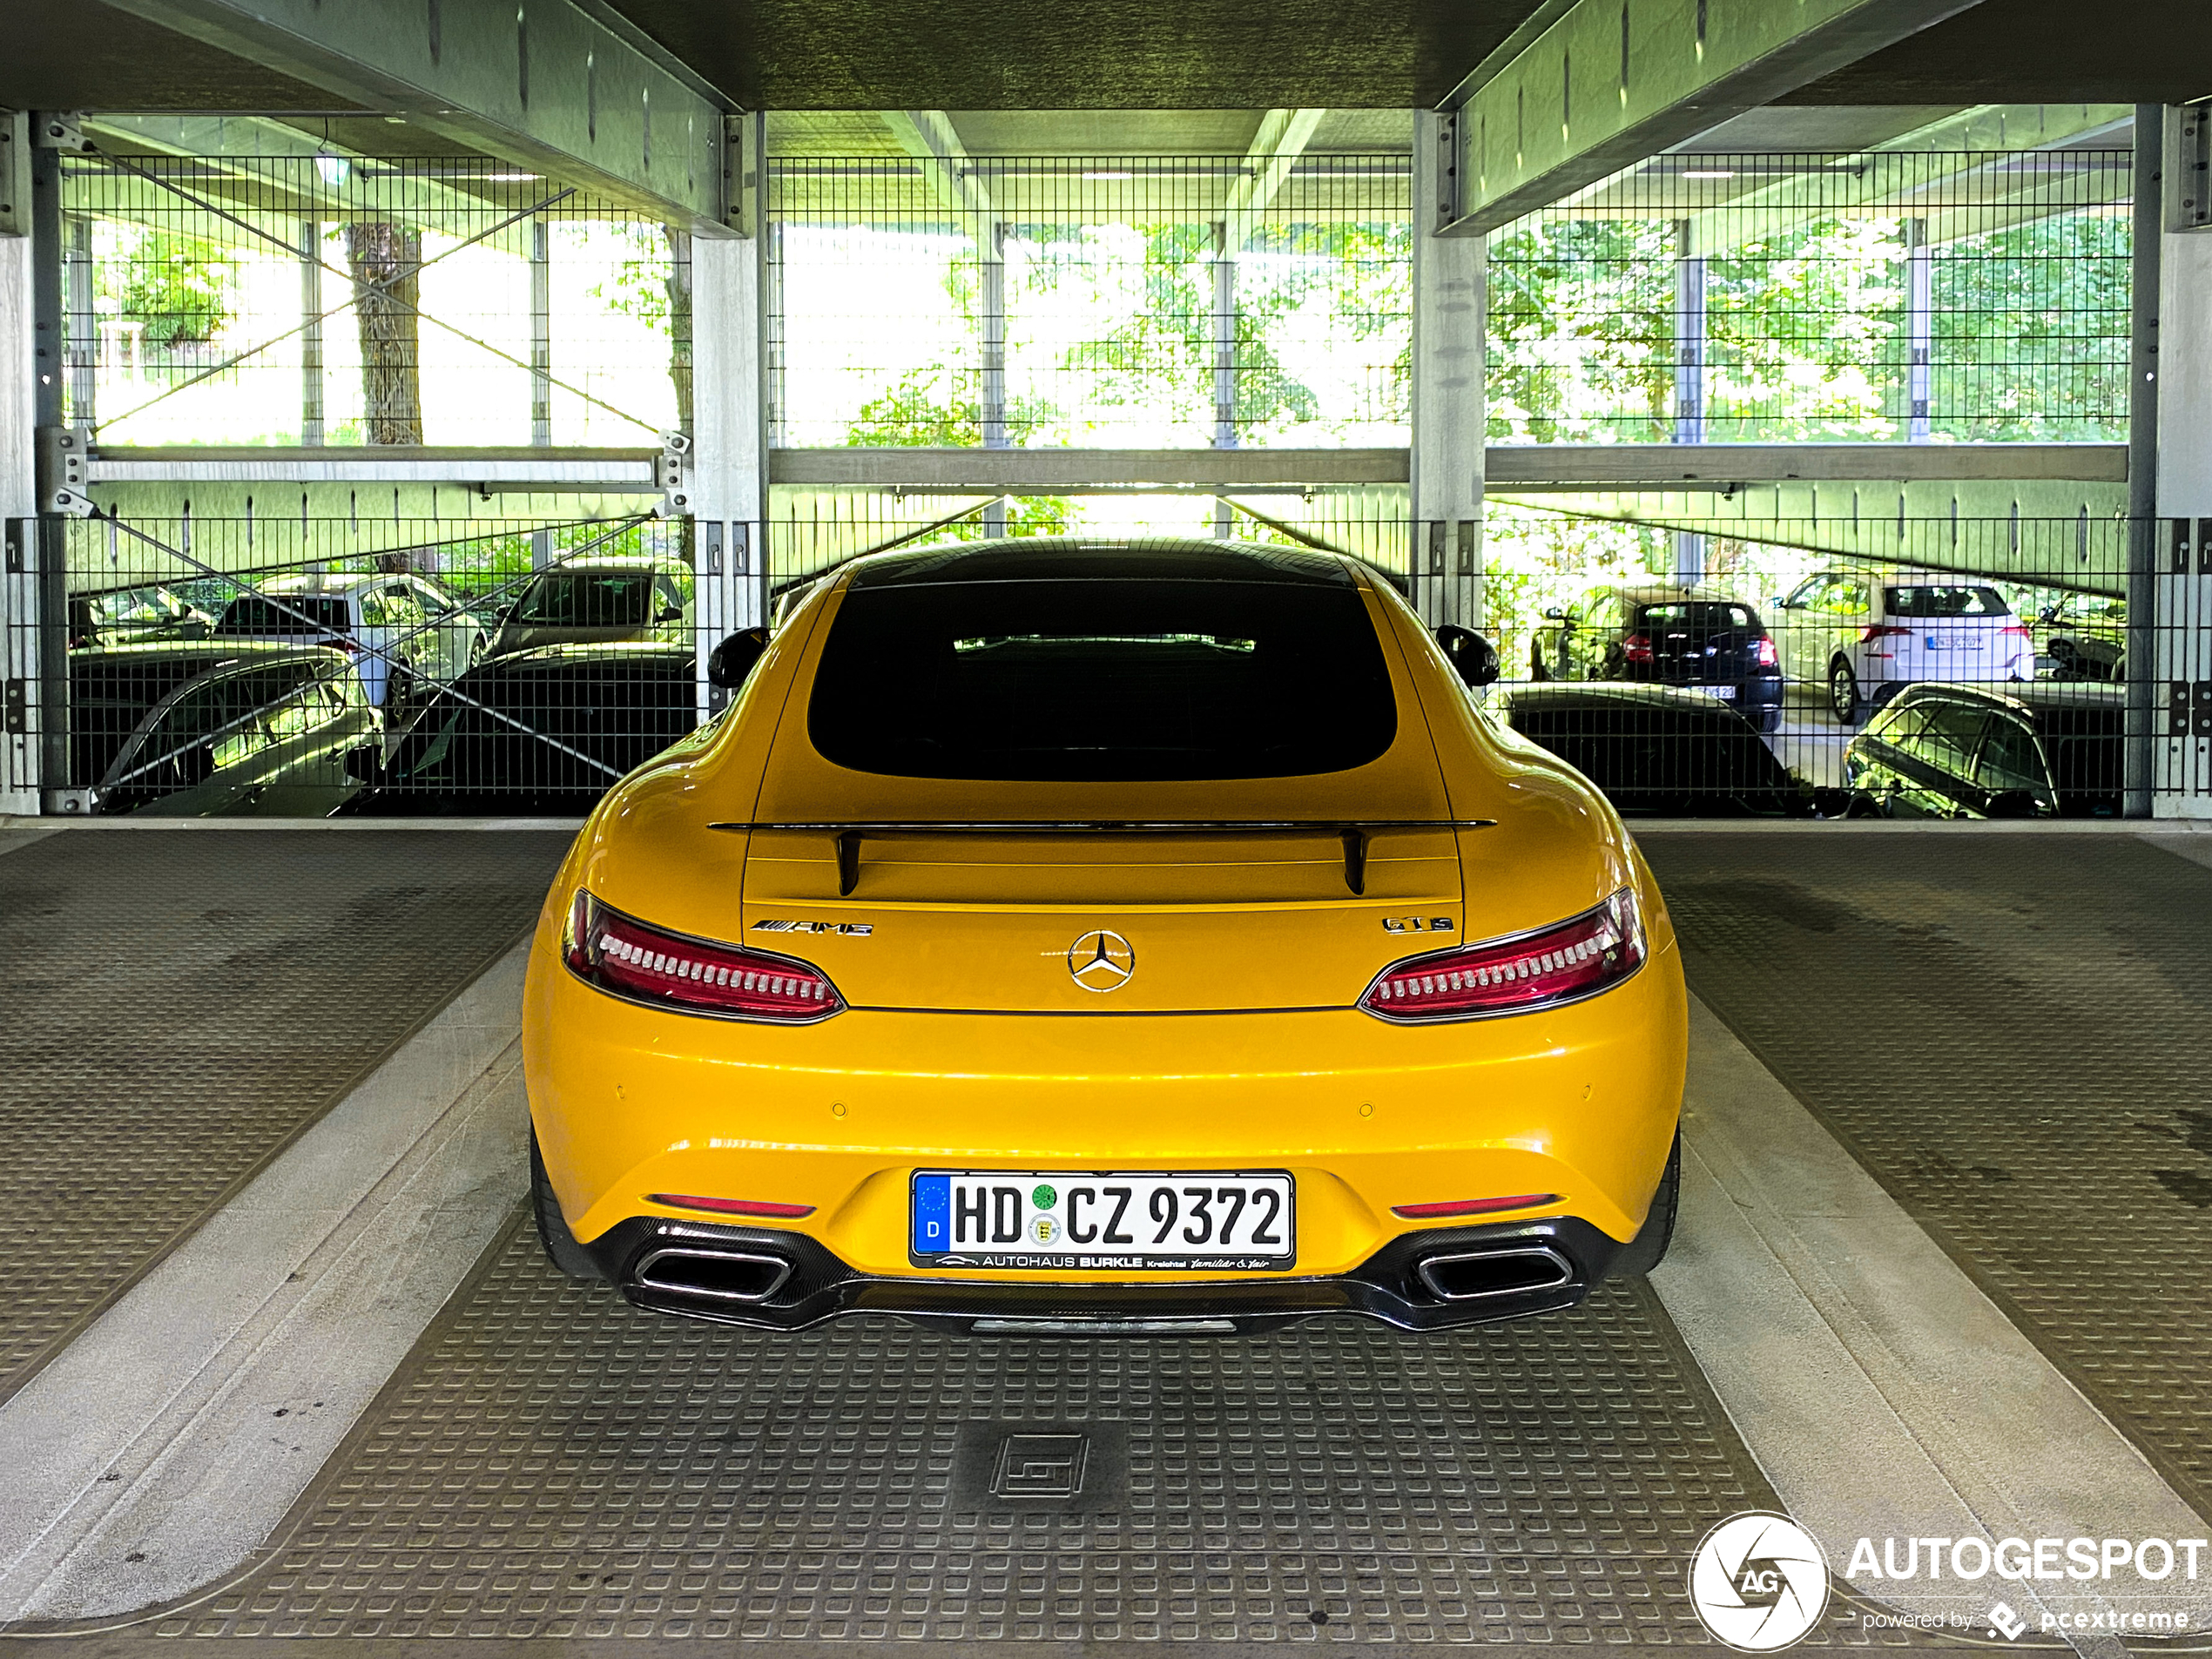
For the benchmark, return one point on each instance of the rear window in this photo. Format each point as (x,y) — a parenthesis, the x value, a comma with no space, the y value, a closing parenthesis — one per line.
(253,614)
(584,599)
(1947,602)
(1708,615)
(1103,681)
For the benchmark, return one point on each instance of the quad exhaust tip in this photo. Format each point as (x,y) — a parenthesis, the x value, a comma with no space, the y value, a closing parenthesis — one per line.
(712,1276)
(1473,1275)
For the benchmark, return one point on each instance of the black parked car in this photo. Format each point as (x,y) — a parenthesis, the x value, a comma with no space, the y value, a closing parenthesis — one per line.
(1668,637)
(557,727)
(1654,748)
(213,726)
(2033,750)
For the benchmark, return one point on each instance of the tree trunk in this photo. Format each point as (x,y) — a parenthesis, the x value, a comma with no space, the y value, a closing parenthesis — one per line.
(385,258)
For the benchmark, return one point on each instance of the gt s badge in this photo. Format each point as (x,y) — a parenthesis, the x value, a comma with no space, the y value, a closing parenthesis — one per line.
(856,929)
(1417,924)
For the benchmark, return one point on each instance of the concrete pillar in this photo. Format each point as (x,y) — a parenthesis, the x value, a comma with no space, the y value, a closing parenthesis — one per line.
(1223,337)
(729,444)
(2145,395)
(1445,556)
(541,332)
(310,387)
(991,245)
(18,488)
(1689,385)
(1919,329)
(2175,636)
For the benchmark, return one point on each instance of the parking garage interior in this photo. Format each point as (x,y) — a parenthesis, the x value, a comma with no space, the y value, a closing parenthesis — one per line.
(1809,408)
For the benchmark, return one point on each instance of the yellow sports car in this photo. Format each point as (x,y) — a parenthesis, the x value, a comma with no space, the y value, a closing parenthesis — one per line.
(1146,937)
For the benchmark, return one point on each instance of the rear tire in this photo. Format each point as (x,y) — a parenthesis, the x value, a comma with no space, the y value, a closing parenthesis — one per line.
(1649,1248)
(1843,692)
(561,1246)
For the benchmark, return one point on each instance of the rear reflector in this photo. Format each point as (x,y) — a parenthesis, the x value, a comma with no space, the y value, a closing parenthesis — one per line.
(732,1206)
(628,959)
(1592,953)
(1472,1206)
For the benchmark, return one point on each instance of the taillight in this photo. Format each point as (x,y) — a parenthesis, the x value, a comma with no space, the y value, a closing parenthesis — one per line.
(1593,953)
(628,959)
(2018,631)
(1637,648)
(1868,635)
(1762,652)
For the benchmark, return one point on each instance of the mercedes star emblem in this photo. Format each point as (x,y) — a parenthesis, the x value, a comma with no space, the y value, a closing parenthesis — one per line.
(1100,960)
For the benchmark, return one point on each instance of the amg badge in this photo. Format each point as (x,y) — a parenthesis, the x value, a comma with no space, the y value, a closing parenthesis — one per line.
(860,929)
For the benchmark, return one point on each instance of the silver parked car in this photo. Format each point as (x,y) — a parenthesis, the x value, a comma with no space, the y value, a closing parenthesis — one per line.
(616,600)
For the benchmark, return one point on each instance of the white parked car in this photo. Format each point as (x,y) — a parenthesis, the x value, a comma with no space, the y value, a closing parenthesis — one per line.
(410,634)
(1865,633)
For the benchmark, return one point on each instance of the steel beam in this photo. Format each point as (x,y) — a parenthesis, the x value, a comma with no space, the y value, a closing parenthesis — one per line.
(603,471)
(1447,464)
(557,85)
(1724,467)
(2144,300)
(1033,472)
(1614,81)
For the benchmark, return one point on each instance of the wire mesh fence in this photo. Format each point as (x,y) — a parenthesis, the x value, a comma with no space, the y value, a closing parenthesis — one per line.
(221,666)
(334,300)
(1913,296)
(1148,302)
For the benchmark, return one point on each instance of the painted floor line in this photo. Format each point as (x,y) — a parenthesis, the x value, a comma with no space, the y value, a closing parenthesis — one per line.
(163,1446)
(1882,1392)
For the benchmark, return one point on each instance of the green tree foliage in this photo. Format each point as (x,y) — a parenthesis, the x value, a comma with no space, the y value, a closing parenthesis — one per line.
(177,286)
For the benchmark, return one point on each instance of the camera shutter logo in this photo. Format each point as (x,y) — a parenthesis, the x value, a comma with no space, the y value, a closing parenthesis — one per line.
(1759,1582)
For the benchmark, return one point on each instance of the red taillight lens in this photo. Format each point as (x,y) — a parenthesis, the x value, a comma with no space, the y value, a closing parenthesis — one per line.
(733,1206)
(1637,648)
(1472,1206)
(1762,652)
(2017,629)
(1593,951)
(628,959)
(1868,635)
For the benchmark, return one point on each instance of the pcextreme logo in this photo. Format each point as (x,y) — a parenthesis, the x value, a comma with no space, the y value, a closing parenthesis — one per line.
(1759,1581)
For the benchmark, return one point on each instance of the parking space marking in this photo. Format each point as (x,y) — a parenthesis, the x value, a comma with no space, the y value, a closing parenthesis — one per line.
(160,1448)
(1881,1391)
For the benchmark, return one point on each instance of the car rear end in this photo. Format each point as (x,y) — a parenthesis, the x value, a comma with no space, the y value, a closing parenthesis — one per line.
(1717,647)
(1044,958)
(1944,629)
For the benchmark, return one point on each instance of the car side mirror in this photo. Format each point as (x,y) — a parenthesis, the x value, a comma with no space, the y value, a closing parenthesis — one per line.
(669,613)
(1473,657)
(1555,614)
(1778,603)
(729,662)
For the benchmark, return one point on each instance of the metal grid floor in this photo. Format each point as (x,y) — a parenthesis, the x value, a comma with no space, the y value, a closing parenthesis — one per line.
(2010,1034)
(553,1463)
(180,1002)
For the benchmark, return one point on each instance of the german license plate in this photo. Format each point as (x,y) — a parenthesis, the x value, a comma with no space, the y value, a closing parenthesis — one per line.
(1200,1221)
(1726,693)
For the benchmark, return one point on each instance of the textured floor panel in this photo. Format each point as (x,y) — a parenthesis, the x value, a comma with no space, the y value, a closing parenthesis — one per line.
(2011,1033)
(554,1463)
(178,1003)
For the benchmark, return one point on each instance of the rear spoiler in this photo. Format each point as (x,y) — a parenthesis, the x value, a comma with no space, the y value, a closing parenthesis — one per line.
(849,835)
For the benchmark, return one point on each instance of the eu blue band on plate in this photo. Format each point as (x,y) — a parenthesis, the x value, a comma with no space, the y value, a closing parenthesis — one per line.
(932,1213)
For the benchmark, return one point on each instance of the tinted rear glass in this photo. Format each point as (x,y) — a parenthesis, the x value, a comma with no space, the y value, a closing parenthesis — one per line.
(1947,602)
(1708,616)
(252,614)
(1103,681)
(585,599)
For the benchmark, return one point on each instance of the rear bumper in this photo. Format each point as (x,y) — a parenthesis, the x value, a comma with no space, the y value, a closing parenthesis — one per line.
(780,1280)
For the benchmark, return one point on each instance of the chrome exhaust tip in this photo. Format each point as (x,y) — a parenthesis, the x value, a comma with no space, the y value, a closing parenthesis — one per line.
(715,1276)
(1475,1275)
